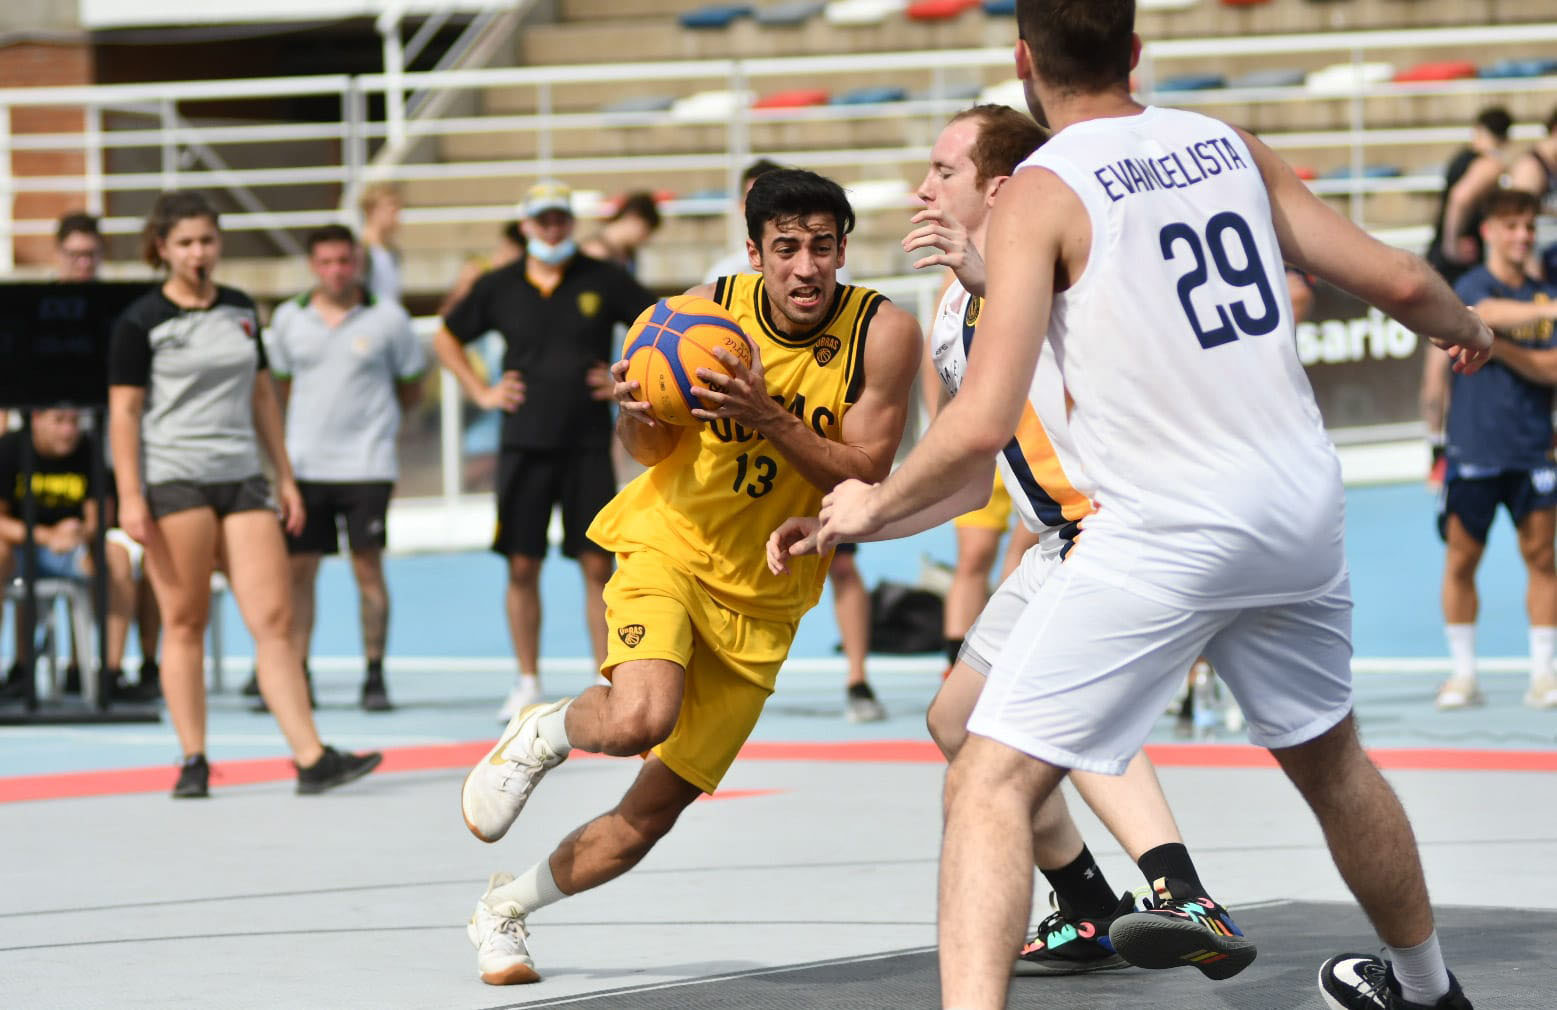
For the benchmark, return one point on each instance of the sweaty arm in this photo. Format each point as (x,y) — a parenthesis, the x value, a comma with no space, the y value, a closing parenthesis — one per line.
(1317,239)
(873,426)
(1038,224)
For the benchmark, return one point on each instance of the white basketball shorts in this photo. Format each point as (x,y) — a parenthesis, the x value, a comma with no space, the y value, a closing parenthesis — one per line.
(1078,670)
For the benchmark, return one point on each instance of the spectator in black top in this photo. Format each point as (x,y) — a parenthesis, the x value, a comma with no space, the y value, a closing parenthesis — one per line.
(627,230)
(556,310)
(1471,174)
(189,401)
(67,518)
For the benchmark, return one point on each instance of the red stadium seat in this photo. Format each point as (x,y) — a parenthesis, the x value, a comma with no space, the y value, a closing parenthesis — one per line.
(939,10)
(797,99)
(1443,70)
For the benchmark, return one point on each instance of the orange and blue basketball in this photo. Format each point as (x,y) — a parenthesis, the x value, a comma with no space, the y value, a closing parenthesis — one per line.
(669,342)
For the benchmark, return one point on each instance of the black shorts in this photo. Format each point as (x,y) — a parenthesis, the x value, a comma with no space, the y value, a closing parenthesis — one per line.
(531,481)
(1475,500)
(251,494)
(363,505)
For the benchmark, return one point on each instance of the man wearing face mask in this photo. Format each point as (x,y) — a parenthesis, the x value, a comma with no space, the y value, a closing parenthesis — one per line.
(557,310)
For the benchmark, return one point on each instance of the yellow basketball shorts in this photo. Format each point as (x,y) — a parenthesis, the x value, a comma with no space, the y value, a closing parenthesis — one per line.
(996,515)
(654,610)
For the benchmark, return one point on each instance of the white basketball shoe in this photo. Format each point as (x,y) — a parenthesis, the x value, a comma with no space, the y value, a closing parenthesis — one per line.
(499,935)
(496,789)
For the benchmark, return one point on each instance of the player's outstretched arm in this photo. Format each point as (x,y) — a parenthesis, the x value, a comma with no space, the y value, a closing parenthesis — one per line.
(1038,223)
(1322,242)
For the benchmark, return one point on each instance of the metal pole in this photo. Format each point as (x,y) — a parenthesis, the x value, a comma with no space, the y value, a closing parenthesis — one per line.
(99,548)
(168,116)
(94,159)
(7,250)
(449,435)
(27,620)
(394,67)
(356,142)
(1358,124)
(740,155)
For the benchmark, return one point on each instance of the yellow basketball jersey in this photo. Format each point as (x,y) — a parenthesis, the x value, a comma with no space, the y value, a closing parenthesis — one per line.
(711,504)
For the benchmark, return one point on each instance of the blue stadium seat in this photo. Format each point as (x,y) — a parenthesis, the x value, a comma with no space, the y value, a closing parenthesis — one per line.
(1000,8)
(1504,69)
(950,92)
(715,16)
(789,15)
(1368,172)
(1192,82)
(1274,77)
(870,96)
(640,103)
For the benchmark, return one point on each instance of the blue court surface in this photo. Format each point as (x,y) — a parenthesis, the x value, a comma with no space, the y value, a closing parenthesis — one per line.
(807,881)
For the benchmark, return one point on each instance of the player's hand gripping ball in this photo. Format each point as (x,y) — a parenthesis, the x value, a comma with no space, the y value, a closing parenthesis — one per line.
(669,342)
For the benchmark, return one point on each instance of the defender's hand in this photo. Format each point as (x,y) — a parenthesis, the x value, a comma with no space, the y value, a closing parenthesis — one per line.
(848,513)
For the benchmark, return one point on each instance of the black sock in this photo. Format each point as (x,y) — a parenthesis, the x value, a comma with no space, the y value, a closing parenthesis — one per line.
(861,690)
(1172,861)
(375,669)
(953,647)
(1081,887)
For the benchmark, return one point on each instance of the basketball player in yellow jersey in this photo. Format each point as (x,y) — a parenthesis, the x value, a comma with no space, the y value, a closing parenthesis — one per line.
(699,626)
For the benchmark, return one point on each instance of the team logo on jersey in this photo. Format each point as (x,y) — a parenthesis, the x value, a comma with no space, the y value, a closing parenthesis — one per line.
(589,303)
(970,318)
(630,634)
(1544,480)
(825,347)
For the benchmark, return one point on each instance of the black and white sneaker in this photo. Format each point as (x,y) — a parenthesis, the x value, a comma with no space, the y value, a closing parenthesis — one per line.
(1365,982)
(375,698)
(334,768)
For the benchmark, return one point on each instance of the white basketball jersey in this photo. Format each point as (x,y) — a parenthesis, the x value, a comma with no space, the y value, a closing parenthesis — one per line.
(1038,465)
(1215,483)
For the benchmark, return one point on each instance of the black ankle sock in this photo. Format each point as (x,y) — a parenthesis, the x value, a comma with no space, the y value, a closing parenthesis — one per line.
(375,669)
(953,647)
(861,690)
(1081,887)
(1172,861)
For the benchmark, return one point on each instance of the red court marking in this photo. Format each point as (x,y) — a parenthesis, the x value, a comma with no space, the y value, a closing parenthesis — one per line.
(123,781)
(740,794)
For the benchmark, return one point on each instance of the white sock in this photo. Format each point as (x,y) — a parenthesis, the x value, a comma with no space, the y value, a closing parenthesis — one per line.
(532,889)
(1543,641)
(553,728)
(1462,650)
(1420,971)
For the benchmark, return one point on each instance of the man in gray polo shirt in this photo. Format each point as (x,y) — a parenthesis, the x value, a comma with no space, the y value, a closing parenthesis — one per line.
(347,366)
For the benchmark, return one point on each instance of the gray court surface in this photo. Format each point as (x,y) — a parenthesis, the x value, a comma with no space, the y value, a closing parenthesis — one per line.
(258,898)
(1505,955)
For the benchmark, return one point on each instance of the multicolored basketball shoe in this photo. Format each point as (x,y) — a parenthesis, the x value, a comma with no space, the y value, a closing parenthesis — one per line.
(1365,982)
(1068,944)
(1182,931)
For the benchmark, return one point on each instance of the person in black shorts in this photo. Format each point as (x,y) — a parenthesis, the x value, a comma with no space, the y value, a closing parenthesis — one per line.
(347,364)
(1498,449)
(557,310)
(189,402)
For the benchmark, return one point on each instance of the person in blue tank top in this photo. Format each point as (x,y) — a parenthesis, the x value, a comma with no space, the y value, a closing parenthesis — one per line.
(1498,448)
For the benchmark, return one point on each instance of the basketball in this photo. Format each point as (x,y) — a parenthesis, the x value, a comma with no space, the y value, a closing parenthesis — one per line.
(669,342)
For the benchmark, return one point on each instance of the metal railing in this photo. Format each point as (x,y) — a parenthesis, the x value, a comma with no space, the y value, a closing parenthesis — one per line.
(357,138)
